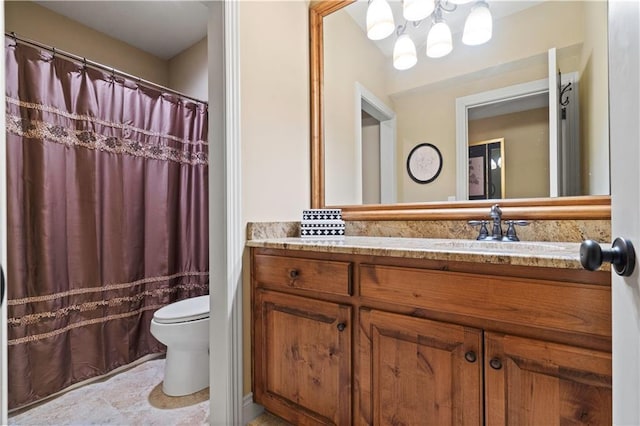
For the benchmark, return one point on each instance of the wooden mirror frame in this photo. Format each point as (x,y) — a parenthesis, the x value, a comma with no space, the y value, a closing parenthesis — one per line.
(582,207)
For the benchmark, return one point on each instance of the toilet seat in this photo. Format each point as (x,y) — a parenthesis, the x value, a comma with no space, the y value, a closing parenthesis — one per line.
(191,309)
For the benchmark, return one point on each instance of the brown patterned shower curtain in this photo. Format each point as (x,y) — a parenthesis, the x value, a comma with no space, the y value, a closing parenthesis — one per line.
(107,218)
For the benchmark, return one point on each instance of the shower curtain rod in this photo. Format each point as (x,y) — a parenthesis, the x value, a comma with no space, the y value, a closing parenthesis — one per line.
(99,66)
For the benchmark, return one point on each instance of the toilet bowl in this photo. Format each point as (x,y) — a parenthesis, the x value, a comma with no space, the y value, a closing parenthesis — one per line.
(184,328)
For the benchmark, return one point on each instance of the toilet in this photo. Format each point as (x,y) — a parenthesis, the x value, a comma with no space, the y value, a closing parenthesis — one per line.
(183,327)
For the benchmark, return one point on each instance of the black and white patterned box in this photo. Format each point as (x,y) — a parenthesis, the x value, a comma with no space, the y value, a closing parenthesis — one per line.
(322,224)
(322,230)
(321,215)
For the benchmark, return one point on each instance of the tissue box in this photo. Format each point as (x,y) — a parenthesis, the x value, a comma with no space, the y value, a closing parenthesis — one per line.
(321,215)
(322,224)
(322,230)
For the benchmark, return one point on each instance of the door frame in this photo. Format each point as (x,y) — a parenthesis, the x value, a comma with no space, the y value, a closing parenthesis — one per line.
(226,231)
(518,91)
(465,103)
(624,132)
(366,101)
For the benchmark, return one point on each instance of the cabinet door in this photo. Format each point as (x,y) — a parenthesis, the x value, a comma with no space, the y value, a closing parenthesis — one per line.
(303,358)
(531,382)
(415,372)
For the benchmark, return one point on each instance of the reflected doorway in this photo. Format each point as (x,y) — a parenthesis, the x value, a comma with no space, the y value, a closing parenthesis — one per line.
(370,159)
(375,148)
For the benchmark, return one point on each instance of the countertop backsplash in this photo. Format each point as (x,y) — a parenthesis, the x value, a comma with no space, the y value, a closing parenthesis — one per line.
(538,230)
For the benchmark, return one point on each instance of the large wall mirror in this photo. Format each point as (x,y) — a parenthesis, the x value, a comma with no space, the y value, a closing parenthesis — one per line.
(540,84)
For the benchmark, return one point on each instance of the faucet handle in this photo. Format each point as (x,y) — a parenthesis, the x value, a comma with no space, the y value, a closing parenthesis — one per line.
(511,229)
(484,232)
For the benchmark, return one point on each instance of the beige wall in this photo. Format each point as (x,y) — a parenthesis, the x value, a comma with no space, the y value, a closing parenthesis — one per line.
(343,69)
(594,102)
(35,22)
(526,149)
(274,81)
(188,71)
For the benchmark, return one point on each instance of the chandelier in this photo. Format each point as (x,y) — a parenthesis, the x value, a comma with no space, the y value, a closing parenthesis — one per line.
(380,24)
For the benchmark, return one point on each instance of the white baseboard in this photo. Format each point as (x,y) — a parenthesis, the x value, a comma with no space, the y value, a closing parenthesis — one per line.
(250,410)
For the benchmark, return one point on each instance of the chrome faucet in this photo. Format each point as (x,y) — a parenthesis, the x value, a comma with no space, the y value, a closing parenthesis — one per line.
(496,216)
(497,234)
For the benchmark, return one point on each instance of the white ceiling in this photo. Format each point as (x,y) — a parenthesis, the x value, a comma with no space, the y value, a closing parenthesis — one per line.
(499,9)
(162,28)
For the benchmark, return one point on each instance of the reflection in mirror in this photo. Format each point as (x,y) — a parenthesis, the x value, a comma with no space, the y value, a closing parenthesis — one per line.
(532,41)
(487,170)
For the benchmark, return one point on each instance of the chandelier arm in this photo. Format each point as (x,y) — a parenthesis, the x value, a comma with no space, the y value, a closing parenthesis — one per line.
(401,29)
(445,6)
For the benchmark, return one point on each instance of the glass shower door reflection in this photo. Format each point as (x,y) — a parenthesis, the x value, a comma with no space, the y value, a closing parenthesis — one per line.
(487,170)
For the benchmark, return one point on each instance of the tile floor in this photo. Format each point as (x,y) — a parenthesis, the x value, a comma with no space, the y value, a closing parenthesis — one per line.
(268,419)
(133,397)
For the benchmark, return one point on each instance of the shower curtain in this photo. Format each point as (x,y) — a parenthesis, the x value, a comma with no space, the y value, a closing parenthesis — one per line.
(107,218)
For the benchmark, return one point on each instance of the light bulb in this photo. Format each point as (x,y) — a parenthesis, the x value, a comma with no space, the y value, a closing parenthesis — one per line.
(478,26)
(417,10)
(439,42)
(404,53)
(379,20)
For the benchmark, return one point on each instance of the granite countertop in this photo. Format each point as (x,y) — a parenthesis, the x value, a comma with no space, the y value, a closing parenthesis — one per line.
(524,253)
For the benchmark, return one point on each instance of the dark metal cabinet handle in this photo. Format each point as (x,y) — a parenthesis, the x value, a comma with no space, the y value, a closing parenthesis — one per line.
(495,363)
(621,255)
(470,356)
(341,326)
(294,273)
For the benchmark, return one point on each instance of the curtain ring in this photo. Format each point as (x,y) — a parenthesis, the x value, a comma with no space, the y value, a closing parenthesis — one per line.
(84,64)
(53,55)
(15,39)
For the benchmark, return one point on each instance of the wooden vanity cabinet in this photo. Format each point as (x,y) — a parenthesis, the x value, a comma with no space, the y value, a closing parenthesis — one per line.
(428,342)
(304,371)
(414,371)
(302,345)
(532,382)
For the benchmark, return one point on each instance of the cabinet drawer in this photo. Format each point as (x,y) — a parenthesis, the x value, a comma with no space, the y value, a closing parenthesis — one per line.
(325,276)
(562,306)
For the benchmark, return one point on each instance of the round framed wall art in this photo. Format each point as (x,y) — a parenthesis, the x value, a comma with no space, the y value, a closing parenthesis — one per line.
(424,163)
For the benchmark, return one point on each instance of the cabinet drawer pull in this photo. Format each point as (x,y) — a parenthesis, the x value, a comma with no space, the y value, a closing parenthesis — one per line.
(294,273)
(495,363)
(341,326)
(470,356)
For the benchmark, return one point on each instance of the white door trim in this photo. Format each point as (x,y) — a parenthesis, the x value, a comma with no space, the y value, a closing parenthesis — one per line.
(463,104)
(226,237)
(554,149)
(372,105)
(624,130)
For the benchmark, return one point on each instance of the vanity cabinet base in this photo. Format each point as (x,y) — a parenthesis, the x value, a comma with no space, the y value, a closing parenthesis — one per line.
(414,369)
(393,341)
(302,370)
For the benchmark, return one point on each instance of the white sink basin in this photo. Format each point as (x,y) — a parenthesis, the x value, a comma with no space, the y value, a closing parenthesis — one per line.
(519,247)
